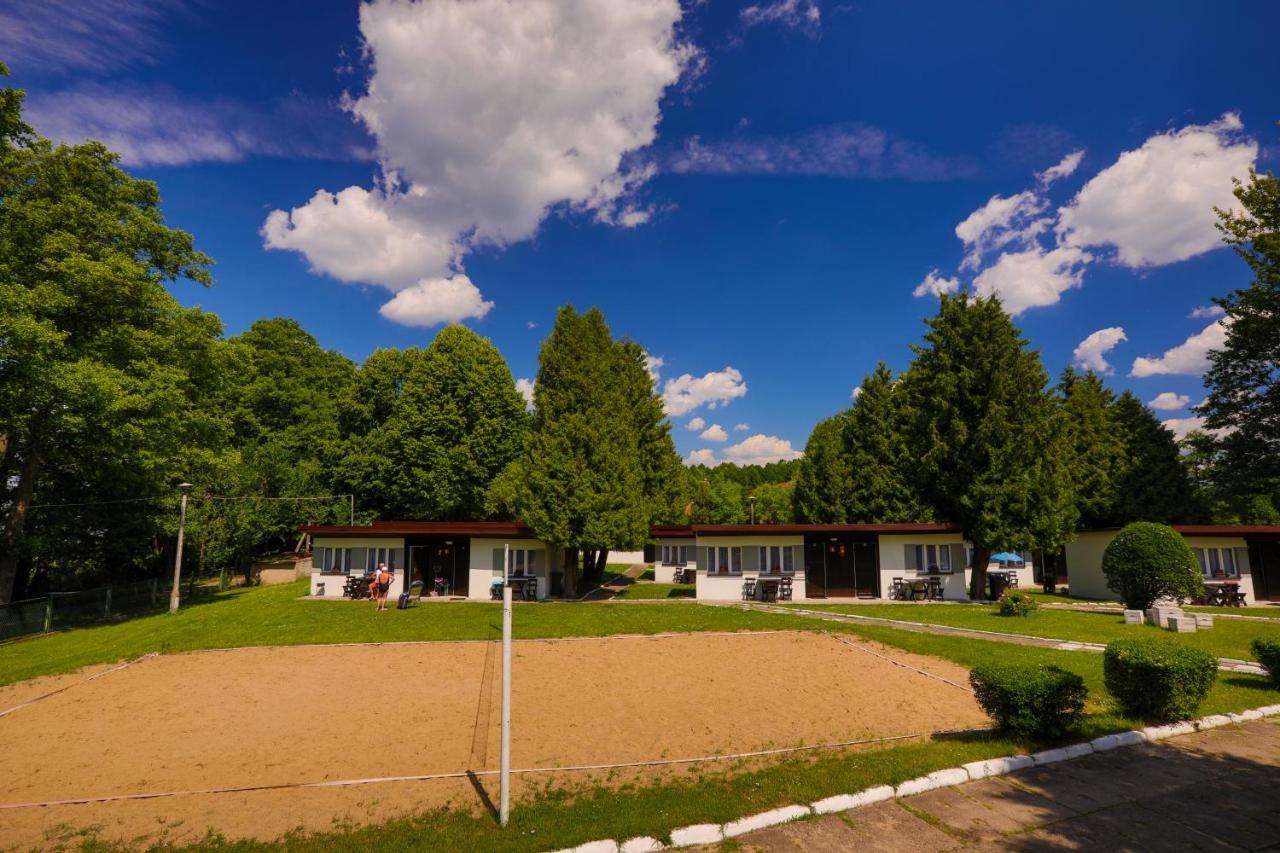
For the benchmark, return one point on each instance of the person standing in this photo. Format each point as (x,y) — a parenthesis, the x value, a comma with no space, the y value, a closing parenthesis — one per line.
(383,580)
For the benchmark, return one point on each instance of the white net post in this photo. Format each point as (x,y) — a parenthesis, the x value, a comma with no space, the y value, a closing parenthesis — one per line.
(504,808)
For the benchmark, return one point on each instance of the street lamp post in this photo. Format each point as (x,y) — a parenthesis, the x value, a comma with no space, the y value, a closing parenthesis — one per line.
(177,558)
(752,498)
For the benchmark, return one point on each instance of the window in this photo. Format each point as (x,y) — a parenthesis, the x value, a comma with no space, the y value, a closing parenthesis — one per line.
(724,560)
(522,561)
(374,556)
(933,558)
(335,560)
(675,555)
(777,559)
(1218,562)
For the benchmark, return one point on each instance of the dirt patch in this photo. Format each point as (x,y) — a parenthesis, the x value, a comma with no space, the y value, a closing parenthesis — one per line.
(286,715)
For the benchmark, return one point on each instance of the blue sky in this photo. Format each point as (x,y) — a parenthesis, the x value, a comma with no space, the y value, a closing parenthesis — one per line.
(754,191)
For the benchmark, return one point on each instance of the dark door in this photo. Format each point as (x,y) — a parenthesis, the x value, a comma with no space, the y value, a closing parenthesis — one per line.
(866,570)
(1264,564)
(840,581)
(815,575)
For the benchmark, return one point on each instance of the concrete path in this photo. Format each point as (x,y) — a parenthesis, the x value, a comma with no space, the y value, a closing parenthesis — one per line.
(1227,664)
(1214,790)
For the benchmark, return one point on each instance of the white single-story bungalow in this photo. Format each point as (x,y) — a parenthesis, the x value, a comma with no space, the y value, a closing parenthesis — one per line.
(820,560)
(466,555)
(1247,555)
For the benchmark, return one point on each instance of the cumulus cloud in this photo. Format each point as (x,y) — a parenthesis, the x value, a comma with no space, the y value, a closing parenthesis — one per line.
(857,392)
(695,424)
(525,387)
(1168,401)
(936,285)
(1091,353)
(1181,427)
(715,432)
(1204,312)
(685,393)
(487,115)
(802,15)
(999,222)
(1191,357)
(741,427)
(1065,167)
(852,151)
(705,456)
(436,300)
(1032,278)
(653,366)
(760,449)
(1155,205)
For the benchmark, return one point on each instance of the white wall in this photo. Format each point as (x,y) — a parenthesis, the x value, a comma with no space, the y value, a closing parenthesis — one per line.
(893,563)
(666,574)
(720,587)
(334,583)
(1084,562)
(481,573)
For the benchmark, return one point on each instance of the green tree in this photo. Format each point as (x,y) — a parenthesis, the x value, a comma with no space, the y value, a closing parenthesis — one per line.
(1097,451)
(1152,484)
(1244,376)
(875,438)
(1148,561)
(592,474)
(989,451)
(773,503)
(441,425)
(101,370)
(824,482)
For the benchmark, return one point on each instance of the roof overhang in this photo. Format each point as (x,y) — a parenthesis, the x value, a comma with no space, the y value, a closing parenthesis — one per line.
(477,529)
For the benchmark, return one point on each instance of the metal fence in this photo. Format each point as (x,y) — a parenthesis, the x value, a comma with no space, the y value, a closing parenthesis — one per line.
(59,610)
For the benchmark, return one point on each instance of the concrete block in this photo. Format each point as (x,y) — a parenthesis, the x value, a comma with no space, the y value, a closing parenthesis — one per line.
(699,833)
(1169,730)
(1269,710)
(1104,743)
(1160,615)
(1181,624)
(641,845)
(1213,722)
(1133,617)
(997,766)
(1066,753)
(1246,716)
(844,802)
(764,820)
(936,779)
(606,846)
(1203,620)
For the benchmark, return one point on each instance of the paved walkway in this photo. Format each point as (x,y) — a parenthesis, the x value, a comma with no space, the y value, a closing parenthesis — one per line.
(1214,790)
(1228,664)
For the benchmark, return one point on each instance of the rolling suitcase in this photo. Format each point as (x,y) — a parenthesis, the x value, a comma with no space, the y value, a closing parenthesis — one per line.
(402,603)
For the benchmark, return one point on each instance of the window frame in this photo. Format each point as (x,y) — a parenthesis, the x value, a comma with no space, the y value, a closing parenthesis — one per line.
(1215,558)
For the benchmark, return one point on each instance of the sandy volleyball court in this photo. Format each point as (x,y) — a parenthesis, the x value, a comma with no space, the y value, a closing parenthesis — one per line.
(273,716)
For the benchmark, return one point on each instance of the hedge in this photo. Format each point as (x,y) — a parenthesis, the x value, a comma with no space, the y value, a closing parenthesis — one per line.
(1017,604)
(1158,680)
(1028,700)
(1147,561)
(1268,654)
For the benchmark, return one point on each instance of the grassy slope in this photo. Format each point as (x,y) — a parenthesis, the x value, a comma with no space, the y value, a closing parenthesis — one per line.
(1228,637)
(658,590)
(278,615)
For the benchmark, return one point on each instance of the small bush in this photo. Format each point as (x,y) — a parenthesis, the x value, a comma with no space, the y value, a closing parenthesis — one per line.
(1028,700)
(1158,680)
(1146,562)
(1268,654)
(1017,604)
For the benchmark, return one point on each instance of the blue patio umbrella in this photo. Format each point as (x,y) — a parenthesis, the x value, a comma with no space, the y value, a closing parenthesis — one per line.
(1007,557)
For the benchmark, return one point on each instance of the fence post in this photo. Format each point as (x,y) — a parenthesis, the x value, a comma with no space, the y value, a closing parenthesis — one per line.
(48,614)
(106,605)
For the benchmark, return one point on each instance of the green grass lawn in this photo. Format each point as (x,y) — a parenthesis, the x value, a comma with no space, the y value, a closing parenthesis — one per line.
(658,590)
(280,615)
(1228,637)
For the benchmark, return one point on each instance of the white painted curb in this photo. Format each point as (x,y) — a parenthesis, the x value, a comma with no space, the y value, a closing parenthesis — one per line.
(710,833)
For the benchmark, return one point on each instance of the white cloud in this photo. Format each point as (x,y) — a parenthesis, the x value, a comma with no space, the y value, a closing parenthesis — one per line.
(1032,278)
(1204,312)
(1155,205)
(1182,426)
(436,300)
(857,392)
(487,115)
(687,392)
(1191,357)
(1091,353)
(760,449)
(1063,169)
(741,427)
(803,15)
(94,36)
(525,387)
(715,432)
(999,222)
(653,365)
(705,456)
(936,285)
(695,424)
(531,325)
(1168,401)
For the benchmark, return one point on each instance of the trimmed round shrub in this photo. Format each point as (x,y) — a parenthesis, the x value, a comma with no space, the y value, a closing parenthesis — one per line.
(1017,604)
(1146,562)
(1268,654)
(1028,700)
(1158,680)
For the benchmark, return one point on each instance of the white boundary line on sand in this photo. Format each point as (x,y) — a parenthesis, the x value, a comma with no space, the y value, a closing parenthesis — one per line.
(860,648)
(462,774)
(713,833)
(93,677)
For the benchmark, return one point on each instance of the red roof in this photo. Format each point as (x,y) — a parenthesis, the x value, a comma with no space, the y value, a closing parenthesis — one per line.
(497,529)
(677,531)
